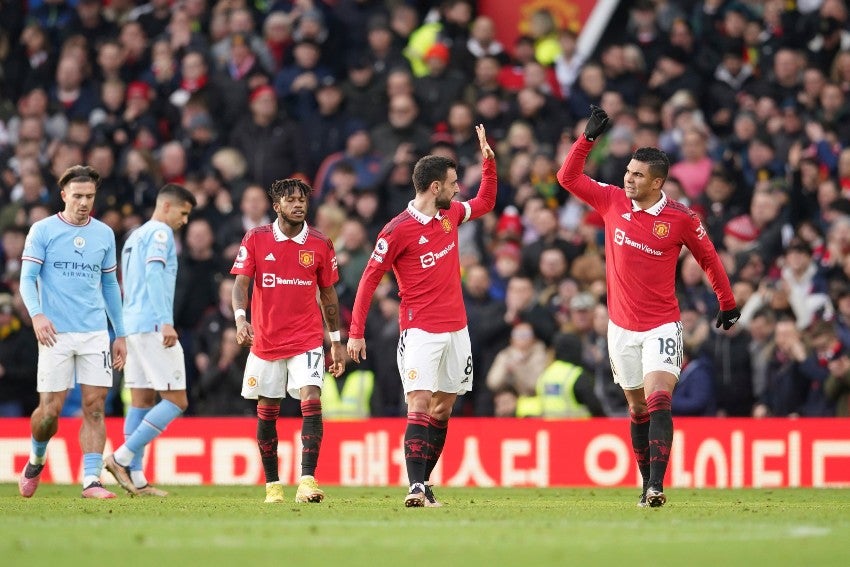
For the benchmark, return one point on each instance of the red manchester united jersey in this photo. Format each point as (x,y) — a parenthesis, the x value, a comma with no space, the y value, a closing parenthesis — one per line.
(642,248)
(287,273)
(423,253)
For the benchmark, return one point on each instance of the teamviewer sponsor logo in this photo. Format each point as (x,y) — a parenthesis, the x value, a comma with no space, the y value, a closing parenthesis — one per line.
(620,238)
(268,280)
(430,259)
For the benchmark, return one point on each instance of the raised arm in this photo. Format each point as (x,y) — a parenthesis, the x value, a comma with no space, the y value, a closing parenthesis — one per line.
(485,200)
(571,175)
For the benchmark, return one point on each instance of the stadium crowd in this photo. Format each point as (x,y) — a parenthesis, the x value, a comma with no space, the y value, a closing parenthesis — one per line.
(748,98)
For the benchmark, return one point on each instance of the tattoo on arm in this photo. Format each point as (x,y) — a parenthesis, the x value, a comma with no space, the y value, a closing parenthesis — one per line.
(240,292)
(330,307)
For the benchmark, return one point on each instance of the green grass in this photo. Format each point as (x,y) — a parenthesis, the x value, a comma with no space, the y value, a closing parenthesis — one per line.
(369,526)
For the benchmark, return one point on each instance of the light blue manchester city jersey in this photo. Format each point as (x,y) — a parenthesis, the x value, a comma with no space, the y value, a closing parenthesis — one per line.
(149,272)
(73,259)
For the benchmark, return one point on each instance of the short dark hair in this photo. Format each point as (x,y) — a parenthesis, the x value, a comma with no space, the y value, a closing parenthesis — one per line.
(659,163)
(287,187)
(429,169)
(80,174)
(177,193)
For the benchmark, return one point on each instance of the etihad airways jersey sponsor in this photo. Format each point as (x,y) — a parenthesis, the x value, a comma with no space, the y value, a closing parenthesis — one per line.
(287,274)
(73,259)
(642,248)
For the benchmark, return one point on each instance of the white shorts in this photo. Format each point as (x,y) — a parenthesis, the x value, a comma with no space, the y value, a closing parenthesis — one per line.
(634,354)
(84,356)
(150,365)
(276,378)
(439,362)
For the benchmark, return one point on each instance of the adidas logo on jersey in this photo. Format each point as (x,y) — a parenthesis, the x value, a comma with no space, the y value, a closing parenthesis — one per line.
(668,360)
(423,240)
(270,257)
(627,216)
(315,374)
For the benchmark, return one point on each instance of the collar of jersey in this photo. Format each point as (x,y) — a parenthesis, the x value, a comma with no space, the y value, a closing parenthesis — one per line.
(655,209)
(66,221)
(300,238)
(419,216)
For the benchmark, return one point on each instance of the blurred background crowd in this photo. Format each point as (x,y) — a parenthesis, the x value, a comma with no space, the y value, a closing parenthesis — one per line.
(749,98)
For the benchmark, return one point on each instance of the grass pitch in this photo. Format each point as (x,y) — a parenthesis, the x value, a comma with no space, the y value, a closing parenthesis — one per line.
(369,526)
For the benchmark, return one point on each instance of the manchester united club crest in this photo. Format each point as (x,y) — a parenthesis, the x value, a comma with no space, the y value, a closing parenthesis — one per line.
(252,382)
(412,374)
(306,258)
(661,229)
(446,224)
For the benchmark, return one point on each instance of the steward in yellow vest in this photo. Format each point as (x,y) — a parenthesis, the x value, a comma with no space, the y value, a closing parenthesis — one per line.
(565,388)
(349,396)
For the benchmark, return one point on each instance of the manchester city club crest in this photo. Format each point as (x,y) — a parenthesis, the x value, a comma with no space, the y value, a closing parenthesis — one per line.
(79,242)
(306,258)
(661,229)
(446,224)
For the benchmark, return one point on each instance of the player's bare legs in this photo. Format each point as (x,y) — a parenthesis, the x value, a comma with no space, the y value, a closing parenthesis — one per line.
(92,440)
(268,410)
(44,423)
(312,431)
(652,432)
(439,412)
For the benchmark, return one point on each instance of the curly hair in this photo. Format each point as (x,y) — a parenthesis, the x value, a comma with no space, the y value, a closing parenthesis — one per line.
(286,187)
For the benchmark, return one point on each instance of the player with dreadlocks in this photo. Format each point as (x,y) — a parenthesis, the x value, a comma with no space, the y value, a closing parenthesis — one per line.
(288,261)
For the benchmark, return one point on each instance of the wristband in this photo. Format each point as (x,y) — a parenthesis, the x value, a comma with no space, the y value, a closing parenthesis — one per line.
(237,313)
(334,335)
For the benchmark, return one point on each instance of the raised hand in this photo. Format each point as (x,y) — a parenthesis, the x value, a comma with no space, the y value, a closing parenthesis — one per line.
(486,151)
(596,124)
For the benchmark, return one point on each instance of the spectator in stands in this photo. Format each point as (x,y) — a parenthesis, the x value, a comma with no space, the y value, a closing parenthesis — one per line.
(363,91)
(269,140)
(565,389)
(212,392)
(254,208)
(517,367)
(794,370)
(694,392)
(18,362)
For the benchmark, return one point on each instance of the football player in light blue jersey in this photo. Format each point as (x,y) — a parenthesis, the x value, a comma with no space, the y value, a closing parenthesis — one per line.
(154,356)
(69,286)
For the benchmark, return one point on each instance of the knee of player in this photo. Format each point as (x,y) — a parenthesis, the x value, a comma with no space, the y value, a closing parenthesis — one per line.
(441,411)
(638,408)
(178,398)
(93,404)
(310,393)
(50,412)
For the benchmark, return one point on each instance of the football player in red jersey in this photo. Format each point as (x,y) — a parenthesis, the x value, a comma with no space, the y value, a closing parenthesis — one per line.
(288,262)
(644,234)
(434,355)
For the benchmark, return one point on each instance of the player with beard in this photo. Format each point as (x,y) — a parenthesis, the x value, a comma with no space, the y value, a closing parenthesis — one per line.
(288,262)
(434,354)
(644,234)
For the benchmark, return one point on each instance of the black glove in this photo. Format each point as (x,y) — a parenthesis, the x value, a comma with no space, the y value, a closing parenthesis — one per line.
(596,124)
(727,318)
